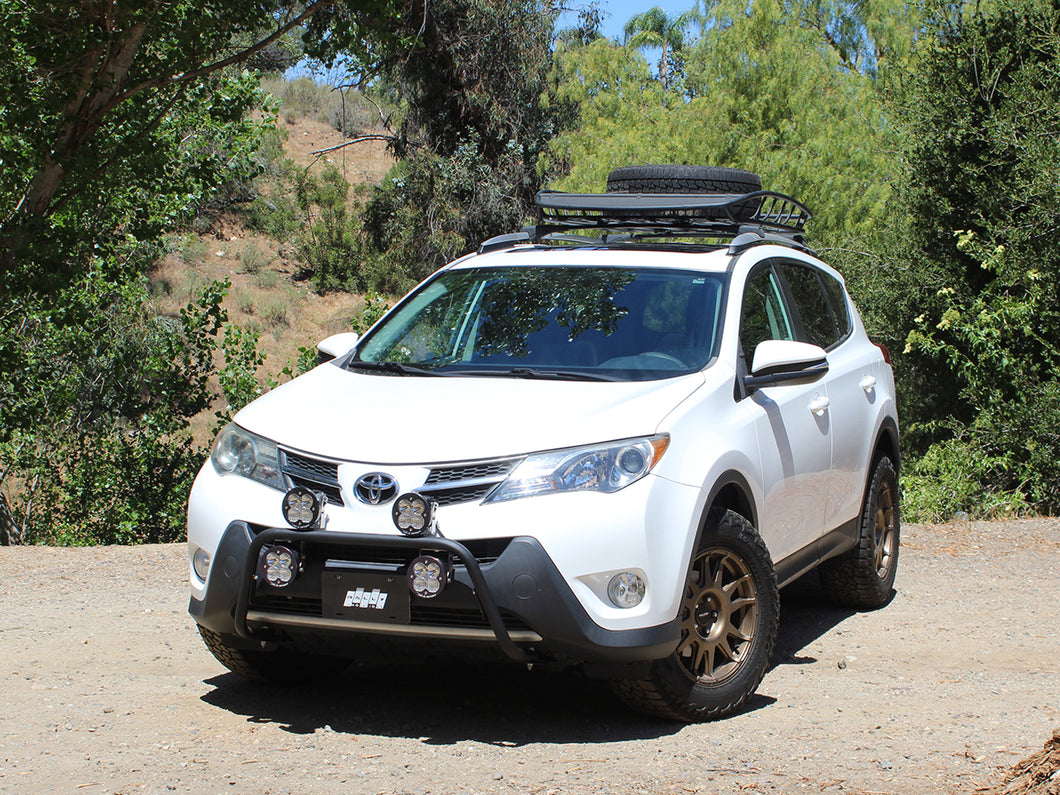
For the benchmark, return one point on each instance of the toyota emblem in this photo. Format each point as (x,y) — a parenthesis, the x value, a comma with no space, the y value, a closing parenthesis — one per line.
(375,488)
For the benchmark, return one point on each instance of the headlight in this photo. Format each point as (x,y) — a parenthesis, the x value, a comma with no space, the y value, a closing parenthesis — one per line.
(607,468)
(238,452)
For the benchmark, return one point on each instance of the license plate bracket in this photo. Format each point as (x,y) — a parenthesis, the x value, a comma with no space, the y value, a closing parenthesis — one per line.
(378,597)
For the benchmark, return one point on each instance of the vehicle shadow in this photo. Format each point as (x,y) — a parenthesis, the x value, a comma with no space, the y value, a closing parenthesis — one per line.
(443,704)
(506,705)
(805,615)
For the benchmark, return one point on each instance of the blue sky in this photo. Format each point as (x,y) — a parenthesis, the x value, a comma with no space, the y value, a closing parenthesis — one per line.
(621,10)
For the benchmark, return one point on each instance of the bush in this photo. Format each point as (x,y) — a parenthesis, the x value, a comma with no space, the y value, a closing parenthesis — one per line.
(330,248)
(97,448)
(954,477)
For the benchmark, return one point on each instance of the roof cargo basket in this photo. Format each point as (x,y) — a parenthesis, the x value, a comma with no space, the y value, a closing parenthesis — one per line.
(677,215)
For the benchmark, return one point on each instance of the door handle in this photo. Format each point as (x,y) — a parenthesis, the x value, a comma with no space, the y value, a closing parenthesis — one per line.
(868,383)
(819,404)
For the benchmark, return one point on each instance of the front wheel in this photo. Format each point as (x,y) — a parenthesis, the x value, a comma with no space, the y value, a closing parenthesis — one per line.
(729,618)
(863,578)
(269,667)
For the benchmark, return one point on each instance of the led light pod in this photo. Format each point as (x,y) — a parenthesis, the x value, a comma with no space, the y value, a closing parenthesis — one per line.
(428,576)
(278,565)
(413,514)
(301,508)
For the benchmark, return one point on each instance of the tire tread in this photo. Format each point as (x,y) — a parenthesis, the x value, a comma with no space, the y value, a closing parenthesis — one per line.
(656,695)
(850,579)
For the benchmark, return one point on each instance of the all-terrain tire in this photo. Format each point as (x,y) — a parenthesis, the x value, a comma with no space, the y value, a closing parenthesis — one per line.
(682,179)
(269,667)
(729,618)
(863,577)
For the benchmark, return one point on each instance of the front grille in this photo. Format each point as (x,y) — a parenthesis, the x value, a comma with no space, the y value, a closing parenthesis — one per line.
(448,485)
(496,470)
(292,605)
(459,495)
(467,482)
(313,474)
(426,614)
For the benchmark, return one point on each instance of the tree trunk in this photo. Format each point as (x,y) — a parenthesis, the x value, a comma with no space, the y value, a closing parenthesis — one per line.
(9,533)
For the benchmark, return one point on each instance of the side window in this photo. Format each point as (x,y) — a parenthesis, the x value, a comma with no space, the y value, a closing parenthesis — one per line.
(764,315)
(816,321)
(837,298)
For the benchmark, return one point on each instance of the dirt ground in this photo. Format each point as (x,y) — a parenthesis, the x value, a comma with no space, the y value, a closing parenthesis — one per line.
(105,687)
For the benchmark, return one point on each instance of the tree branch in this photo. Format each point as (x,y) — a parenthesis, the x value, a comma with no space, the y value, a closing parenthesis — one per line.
(361,139)
(239,57)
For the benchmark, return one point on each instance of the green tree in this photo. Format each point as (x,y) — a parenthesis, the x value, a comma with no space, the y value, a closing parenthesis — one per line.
(89,90)
(764,93)
(982,124)
(473,129)
(655,28)
(118,119)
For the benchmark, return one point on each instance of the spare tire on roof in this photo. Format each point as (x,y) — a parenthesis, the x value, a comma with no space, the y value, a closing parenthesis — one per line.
(682,179)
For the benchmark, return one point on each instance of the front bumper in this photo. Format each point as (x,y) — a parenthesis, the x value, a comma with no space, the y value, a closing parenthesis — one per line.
(509,594)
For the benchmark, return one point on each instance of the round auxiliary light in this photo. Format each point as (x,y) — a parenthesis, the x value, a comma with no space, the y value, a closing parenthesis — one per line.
(278,566)
(413,514)
(428,576)
(626,589)
(301,508)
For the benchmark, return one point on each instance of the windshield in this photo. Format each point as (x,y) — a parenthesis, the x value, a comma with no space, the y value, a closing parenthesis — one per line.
(551,322)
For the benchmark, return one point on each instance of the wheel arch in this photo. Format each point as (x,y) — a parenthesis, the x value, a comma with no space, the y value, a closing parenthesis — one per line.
(731,491)
(886,444)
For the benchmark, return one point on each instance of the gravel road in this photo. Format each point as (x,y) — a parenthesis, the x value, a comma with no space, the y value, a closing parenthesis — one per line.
(105,687)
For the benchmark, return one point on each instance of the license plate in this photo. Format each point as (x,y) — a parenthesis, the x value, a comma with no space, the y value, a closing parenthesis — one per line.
(365,596)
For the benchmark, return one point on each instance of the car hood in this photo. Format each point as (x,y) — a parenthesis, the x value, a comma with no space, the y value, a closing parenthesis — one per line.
(387,419)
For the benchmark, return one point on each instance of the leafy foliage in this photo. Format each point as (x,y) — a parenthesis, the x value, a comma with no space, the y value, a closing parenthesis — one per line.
(118,120)
(100,451)
(978,302)
(473,130)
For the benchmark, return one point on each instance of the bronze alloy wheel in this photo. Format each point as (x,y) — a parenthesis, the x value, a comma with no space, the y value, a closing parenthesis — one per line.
(728,614)
(718,616)
(884,536)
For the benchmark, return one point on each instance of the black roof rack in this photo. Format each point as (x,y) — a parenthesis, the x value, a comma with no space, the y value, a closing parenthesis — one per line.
(745,219)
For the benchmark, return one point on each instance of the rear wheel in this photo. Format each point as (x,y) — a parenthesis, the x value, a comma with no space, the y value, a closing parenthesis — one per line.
(863,578)
(729,618)
(280,665)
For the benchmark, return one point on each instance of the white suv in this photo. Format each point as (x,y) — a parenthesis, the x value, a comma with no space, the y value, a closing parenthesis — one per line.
(599,451)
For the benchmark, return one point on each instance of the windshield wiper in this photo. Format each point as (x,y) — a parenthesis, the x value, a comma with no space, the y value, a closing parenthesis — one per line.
(542,373)
(392,368)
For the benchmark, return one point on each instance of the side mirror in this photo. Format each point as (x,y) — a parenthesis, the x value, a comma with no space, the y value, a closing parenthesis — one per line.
(786,362)
(336,345)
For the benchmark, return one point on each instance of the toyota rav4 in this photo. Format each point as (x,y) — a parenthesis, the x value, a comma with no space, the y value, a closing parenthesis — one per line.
(604,441)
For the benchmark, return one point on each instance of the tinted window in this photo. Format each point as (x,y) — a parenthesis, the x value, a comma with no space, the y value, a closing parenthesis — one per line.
(817,325)
(765,316)
(837,299)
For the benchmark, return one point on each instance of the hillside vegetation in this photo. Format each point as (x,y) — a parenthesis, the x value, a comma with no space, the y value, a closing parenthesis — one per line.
(179,224)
